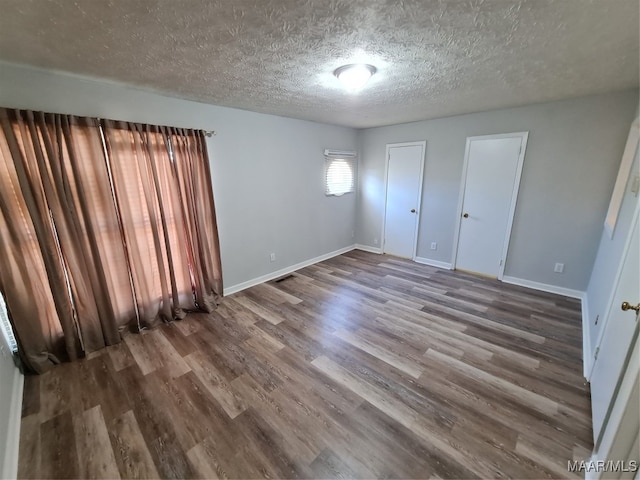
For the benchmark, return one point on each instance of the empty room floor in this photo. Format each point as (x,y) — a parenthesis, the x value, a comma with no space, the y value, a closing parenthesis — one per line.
(363,365)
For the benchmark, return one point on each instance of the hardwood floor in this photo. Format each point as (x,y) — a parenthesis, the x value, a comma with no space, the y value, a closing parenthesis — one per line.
(357,367)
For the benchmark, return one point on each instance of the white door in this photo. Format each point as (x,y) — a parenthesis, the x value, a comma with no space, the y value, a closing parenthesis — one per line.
(618,334)
(490,185)
(405,163)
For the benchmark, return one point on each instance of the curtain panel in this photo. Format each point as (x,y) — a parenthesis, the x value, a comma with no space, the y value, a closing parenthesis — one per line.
(103,228)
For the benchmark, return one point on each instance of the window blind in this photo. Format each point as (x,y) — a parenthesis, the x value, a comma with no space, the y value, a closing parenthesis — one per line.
(339,176)
(7,331)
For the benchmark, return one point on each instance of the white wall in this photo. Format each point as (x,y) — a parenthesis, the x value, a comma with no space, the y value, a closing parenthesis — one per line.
(11,384)
(267,171)
(602,281)
(570,165)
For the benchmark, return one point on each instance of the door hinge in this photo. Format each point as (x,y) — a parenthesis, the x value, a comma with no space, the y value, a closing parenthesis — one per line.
(501,262)
(520,150)
(595,357)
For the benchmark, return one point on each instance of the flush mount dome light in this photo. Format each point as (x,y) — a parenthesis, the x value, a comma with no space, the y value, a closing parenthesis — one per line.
(355,76)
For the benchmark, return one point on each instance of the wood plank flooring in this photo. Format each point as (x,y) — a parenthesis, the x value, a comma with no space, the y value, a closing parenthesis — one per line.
(361,366)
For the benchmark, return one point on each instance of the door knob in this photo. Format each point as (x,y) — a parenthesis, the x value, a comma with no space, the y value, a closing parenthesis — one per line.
(466,215)
(627,306)
(413,210)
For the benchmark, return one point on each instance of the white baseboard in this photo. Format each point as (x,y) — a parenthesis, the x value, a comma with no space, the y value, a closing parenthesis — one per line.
(586,339)
(544,287)
(285,271)
(433,263)
(367,248)
(10,460)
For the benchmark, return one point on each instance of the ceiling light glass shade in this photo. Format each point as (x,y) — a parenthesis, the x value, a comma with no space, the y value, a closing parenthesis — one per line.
(355,76)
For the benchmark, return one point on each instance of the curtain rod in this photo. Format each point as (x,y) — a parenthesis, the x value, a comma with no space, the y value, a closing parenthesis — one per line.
(207,133)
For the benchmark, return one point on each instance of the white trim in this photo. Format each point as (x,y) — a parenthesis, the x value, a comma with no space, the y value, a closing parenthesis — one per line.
(524,136)
(586,338)
(10,460)
(544,287)
(621,404)
(433,263)
(284,271)
(367,248)
(422,144)
(384,197)
(623,177)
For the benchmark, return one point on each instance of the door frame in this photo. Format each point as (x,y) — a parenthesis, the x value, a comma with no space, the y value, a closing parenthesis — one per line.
(524,136)
(422,144)
(612,295)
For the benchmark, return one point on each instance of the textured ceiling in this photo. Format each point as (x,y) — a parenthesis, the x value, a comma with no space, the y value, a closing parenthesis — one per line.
(434,57)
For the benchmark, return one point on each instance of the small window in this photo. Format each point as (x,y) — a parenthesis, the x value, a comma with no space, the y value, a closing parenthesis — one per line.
(339,176)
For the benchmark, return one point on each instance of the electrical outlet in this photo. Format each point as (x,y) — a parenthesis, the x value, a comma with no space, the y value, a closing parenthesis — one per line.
(353,234)
(434,245)
(559,268)
(272,257)
(375,241)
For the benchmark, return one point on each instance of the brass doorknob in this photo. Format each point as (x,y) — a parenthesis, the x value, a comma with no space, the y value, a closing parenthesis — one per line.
(466,215)
(627,306)
(413,210)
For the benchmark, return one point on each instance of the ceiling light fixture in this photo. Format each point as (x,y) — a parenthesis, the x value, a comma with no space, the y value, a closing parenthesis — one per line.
(355,76)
